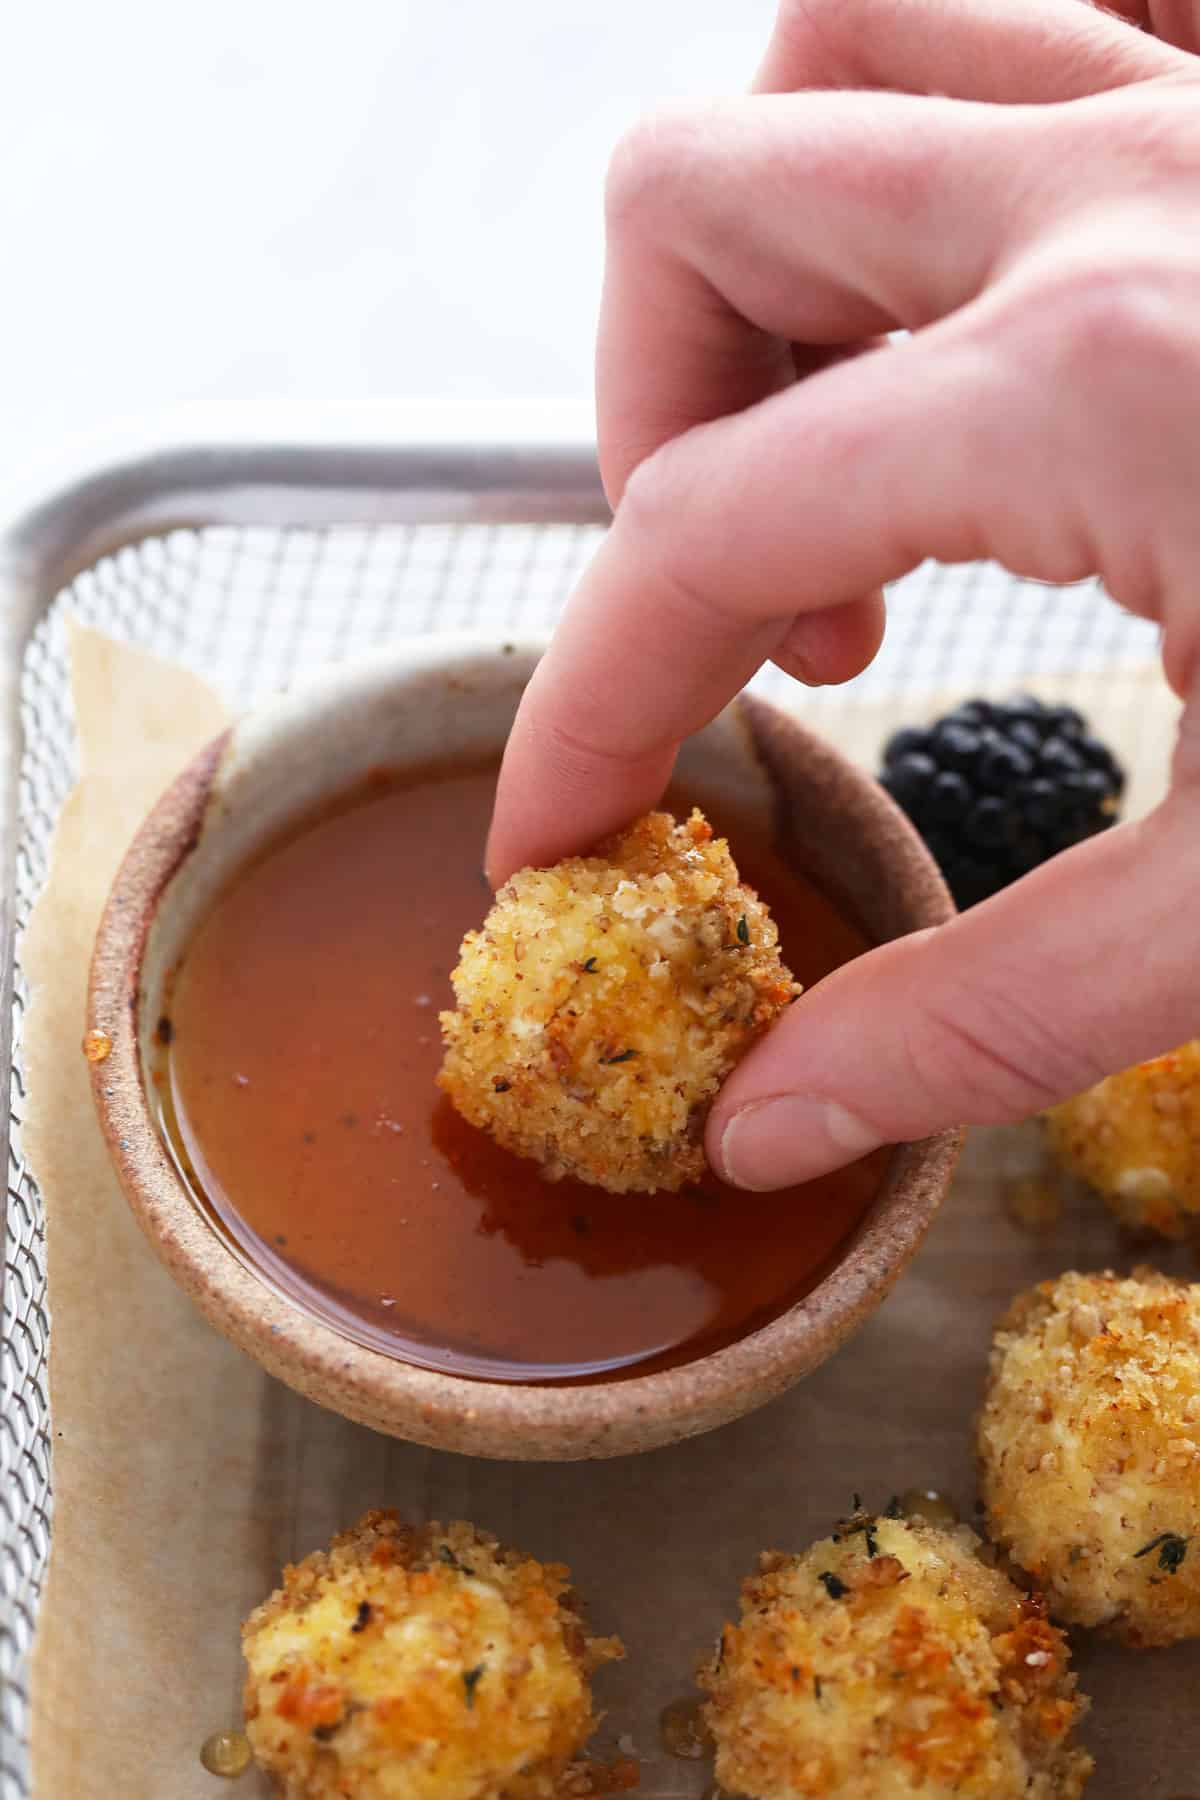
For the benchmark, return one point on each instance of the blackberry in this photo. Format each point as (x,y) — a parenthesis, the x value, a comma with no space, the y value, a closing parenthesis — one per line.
(995,788)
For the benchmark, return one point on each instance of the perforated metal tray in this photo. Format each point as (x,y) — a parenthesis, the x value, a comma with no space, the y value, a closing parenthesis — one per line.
(253,566)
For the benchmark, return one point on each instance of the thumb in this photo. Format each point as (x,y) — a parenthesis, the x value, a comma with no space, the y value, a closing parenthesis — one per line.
(1083,967)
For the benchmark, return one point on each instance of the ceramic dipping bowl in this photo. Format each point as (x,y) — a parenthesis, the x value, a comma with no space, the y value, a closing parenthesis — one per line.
(416,703)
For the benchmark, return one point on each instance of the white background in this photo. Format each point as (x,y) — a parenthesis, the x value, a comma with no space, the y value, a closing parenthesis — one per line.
(263,200)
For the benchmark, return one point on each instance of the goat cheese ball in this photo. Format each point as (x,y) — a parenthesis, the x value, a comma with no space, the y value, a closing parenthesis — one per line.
(888,1661)
(604,1000)
(422,1664)
(1089,1446)
(1135,1137)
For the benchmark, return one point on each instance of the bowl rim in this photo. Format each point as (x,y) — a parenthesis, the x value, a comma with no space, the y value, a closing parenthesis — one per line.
(491,1418)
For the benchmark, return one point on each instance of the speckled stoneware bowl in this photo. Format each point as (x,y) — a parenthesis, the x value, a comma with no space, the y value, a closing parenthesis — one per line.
(418,701)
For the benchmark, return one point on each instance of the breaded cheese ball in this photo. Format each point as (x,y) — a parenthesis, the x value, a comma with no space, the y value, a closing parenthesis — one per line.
(419,1665)
(1135,1137)
(889,1661)
(1089,1446)
(604,1001)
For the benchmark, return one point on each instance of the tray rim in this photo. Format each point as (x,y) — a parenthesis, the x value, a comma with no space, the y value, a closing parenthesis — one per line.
(280,484)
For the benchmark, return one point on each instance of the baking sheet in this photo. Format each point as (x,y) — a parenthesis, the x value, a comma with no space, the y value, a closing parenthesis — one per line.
(184,1477)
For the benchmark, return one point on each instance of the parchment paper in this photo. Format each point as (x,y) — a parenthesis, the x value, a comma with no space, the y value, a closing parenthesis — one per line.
(184,1477)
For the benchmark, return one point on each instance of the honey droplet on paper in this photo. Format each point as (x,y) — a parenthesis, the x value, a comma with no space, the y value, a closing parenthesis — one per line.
(929,1504)
(226,1753)
(1035,1203)
(683,1731)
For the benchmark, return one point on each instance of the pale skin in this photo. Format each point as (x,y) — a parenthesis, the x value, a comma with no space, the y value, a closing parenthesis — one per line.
(1017,182)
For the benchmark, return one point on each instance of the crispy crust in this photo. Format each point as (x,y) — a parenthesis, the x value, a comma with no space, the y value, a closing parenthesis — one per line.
(604,1001)
(1135,1137)
(917,1670)
(427,1664)
(1089,1446)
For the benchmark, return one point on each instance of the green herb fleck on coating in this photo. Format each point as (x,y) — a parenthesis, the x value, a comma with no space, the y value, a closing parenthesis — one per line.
(858,1521)
(1171,1550)
(471,1680)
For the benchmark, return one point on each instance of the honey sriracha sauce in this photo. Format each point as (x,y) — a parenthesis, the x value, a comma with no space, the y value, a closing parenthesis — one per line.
(298,1055)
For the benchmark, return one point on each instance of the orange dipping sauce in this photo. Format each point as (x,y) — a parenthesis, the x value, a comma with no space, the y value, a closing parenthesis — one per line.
(299,1099)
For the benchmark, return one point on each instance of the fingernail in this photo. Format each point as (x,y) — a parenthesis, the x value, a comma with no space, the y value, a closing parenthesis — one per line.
(792,1137)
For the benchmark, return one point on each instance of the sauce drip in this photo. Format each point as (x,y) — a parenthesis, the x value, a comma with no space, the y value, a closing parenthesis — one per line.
(929,1504)
(226,1753)
(683,1730)
(297,1086)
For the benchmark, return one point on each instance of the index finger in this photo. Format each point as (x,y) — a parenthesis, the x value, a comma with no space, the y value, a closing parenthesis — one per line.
(634,667)
(643,654)
(955,444)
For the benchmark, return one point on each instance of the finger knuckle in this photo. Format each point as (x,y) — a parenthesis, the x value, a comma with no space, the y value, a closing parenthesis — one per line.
(836,44)
(1000,1058)
(650,169)
(659,494)
(665,491)
(1156,133)
(1122,319)
(821,38)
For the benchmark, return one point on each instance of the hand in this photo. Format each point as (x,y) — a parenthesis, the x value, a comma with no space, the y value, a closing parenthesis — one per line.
(1044,251)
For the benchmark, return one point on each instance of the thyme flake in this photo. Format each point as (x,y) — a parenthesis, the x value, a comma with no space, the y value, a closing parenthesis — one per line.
(1171,1547)
(858,1522)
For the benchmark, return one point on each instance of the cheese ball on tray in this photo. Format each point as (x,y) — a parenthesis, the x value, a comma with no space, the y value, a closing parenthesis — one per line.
(889,1661)
(1089,1446)
(422,1664)
(1135,1137)
(604,1000)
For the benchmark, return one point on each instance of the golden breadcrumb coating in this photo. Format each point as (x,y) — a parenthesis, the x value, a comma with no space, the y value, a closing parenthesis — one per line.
(604,1001)
(918,1669)
(419,1665)
(1136,1138)
(1089,1446)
